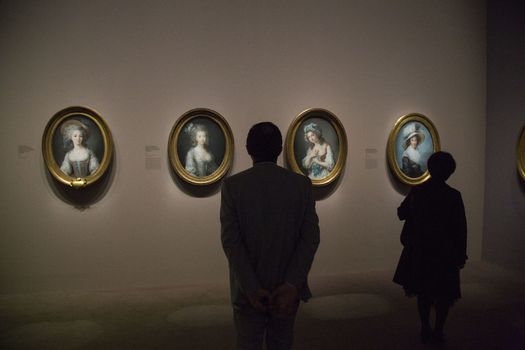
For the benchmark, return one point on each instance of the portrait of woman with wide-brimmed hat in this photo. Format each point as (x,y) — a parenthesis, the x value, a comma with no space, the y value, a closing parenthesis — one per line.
(411,142)
(412,161)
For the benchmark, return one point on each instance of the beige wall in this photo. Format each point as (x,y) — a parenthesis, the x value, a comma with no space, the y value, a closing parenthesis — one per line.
(143,64)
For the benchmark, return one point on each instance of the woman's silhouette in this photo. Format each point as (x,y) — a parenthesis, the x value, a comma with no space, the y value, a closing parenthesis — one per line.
(434,237)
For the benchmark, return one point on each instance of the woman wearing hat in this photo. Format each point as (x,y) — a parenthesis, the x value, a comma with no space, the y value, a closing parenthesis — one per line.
(79,161)
(319,159)
(411,158)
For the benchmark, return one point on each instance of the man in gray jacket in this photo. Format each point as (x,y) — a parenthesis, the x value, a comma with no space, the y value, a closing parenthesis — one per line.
(270,233)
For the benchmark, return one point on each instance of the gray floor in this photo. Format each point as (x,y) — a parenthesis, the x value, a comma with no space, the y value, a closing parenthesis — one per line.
(355,311)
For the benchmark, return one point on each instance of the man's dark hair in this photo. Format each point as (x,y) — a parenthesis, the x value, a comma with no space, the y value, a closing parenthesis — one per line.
(441,165)
(264,142)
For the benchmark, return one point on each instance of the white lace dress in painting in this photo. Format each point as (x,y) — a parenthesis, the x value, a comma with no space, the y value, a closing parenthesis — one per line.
(200,162)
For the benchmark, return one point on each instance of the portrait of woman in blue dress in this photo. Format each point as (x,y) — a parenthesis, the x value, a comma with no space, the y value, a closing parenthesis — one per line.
(199,159)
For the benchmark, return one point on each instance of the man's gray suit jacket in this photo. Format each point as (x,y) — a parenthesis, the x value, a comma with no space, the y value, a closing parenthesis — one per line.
(269,230)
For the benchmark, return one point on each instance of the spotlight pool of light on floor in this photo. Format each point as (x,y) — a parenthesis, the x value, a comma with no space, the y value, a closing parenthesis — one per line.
(202,316)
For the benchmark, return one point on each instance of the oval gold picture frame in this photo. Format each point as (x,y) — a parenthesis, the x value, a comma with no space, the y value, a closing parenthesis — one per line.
(219,146)
(412,126)
(77,165)
(520,154)
(300,151)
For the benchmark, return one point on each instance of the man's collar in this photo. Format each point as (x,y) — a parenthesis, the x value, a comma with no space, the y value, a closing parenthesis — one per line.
(264,163)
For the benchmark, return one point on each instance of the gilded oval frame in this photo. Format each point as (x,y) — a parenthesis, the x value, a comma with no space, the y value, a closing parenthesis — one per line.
(391,146)
(520,153)
(86,117)
(174,147)
(338,131)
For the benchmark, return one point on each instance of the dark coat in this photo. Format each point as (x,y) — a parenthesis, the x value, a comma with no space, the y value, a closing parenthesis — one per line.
(269,230)
(434,239)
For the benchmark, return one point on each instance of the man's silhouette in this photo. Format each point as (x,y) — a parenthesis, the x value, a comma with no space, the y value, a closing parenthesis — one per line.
(270,233)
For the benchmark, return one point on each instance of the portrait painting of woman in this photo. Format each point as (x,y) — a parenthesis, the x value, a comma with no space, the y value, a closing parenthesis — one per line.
(199,159)
(319,158)
(316,146)
(79,161)
(77,146)
(200,147)
(411,160)
(411,142)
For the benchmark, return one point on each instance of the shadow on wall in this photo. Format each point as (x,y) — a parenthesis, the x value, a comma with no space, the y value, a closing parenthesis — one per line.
(323,192)
(521,183)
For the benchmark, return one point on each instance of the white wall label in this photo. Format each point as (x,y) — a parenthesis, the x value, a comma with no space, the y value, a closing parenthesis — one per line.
(152,157)
(370,158)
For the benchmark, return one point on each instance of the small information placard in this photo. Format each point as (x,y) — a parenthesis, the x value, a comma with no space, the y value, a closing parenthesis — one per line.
(370,158)
(152,157)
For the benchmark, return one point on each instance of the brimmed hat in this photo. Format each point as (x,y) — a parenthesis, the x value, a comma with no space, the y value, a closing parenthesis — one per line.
(411,130)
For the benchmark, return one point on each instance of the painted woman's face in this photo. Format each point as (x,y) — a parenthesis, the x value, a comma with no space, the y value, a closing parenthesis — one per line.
(312,137)
(201,137)
(413,142)
(77,137)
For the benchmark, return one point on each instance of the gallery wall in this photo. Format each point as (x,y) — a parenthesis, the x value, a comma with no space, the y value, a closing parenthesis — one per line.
(503,240)
(141,65)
